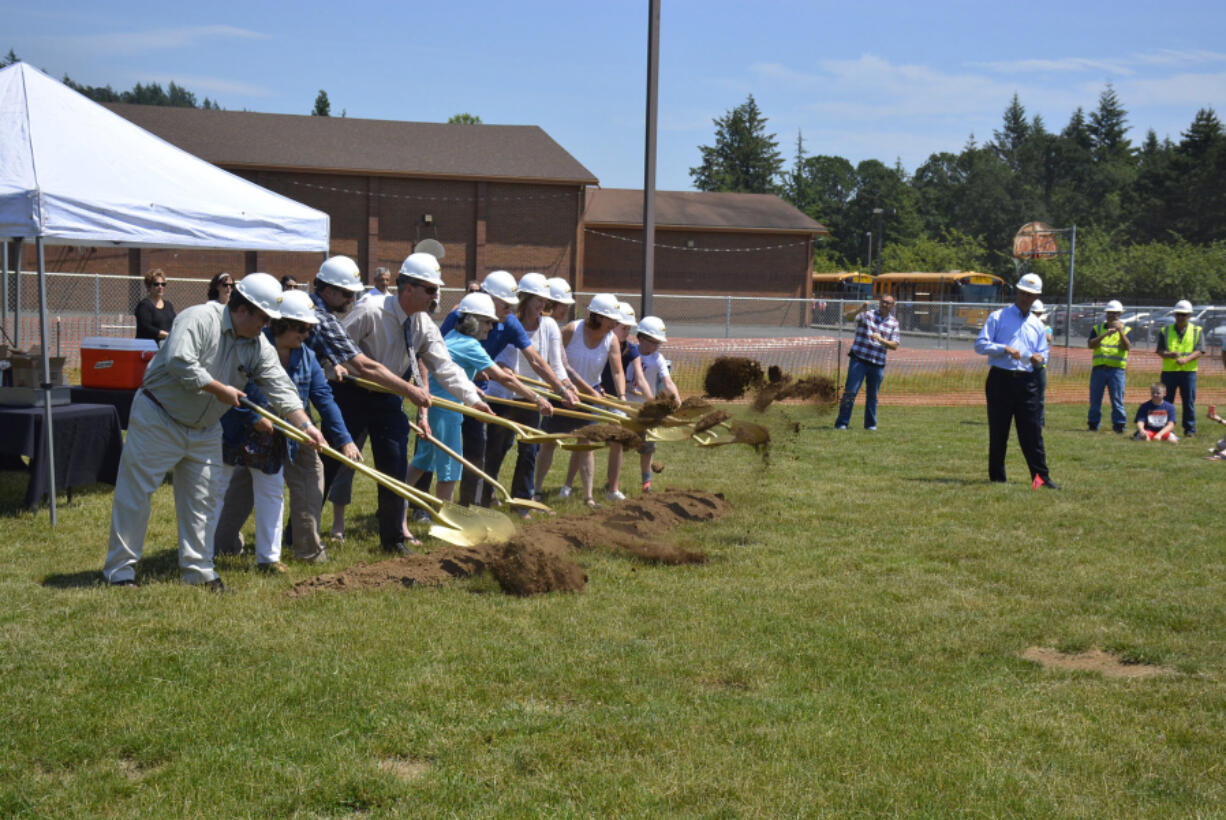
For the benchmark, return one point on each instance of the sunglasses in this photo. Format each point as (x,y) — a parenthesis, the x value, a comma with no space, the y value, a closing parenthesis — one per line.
(226,285)
(296,326)
(159,284)
(431,290)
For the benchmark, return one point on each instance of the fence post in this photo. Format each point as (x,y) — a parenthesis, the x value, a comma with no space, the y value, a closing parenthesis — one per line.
(728,317)
(98,306)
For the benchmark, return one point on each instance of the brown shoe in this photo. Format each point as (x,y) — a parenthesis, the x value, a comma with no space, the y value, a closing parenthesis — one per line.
(274,567)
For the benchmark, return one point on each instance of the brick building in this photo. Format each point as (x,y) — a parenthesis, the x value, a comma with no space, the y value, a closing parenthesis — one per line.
(706,243)
(495,196)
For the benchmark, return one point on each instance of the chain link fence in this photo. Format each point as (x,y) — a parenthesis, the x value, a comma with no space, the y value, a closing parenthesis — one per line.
(936,362)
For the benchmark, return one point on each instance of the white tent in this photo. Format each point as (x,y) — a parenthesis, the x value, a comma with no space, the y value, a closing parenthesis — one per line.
(74,173)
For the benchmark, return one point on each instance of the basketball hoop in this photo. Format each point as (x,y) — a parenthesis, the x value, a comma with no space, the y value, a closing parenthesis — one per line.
(1035,240)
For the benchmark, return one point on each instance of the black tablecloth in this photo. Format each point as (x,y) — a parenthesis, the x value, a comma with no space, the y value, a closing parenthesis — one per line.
(121,400)
(88,443)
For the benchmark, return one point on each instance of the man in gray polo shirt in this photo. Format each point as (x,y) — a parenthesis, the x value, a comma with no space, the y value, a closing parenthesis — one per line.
(194,378)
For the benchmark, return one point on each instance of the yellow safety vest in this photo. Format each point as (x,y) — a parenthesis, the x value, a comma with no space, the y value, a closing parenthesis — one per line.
(1183,346)
(1108,352)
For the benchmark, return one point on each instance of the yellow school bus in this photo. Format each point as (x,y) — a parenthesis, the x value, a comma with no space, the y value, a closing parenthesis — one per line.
(844,285)
(953,286)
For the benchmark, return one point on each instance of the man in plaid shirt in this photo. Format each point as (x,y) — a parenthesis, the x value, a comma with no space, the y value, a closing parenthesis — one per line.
(876,332)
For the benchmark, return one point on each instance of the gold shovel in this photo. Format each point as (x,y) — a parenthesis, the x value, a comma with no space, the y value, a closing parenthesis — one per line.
(462,526)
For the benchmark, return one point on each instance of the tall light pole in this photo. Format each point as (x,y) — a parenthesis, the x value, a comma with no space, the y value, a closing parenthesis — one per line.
(649,160)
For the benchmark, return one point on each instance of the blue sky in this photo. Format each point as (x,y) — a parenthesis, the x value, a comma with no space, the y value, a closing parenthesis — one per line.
(887,80)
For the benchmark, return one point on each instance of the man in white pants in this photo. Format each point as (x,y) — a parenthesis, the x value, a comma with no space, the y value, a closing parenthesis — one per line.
(189,384)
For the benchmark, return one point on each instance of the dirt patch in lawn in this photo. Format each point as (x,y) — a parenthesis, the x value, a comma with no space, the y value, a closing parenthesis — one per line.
(540,557)
(1094,660)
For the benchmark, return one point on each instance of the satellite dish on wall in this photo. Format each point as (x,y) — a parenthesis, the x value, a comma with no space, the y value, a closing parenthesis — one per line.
(432,247)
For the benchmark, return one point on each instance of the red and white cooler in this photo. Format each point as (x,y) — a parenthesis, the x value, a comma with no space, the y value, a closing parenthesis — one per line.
(111,363)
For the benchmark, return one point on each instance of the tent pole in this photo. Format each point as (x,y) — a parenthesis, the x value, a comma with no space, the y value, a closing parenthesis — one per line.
(46,383)
(4,290)
(17,290)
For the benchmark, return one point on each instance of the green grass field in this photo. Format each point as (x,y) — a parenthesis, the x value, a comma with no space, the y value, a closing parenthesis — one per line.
(851,648)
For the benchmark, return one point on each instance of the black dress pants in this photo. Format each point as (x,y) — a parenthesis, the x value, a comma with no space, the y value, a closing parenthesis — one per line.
(1014,398)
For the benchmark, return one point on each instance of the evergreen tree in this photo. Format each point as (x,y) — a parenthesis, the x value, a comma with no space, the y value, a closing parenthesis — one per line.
(9,59)
(744,158)
(323,108)
(464,119)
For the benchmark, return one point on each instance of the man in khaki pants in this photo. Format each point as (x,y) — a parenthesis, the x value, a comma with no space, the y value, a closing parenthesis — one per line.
(174,425)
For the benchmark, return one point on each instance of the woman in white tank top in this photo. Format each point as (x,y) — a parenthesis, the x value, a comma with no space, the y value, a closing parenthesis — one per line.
(589,344)
(546,337)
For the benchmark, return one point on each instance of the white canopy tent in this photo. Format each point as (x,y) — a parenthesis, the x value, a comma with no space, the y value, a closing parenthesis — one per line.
(74,173)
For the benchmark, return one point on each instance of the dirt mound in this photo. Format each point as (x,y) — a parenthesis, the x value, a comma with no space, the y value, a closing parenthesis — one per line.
(611,433)
(1095,660)
(729,377)
(693,407)
(655,410)
(710,420)
(539,558)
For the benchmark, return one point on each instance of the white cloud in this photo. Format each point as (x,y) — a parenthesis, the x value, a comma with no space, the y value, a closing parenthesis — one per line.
(1187,90)
(1168,56)
(1064,64)
(141,42)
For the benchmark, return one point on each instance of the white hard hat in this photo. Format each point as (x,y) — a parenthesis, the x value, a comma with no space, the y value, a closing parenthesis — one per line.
(627,311)
(605,304)
(422,266)
(1182,306)
(478,304)
(501,285)
(653,326)
(559,291)
(1114,306)
(263,291)
(341,272)
(298,306)
(535,284)
(1030,283)
(1038,308)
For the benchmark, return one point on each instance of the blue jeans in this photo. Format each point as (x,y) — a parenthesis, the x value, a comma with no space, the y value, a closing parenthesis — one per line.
(1111,378)
(1185,382)
(498,444)
(870,375)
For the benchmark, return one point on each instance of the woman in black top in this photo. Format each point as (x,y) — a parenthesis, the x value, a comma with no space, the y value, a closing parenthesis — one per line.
(154,313)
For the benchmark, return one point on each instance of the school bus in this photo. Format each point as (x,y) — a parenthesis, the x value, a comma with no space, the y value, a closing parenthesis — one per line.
(845,285)
(954,286)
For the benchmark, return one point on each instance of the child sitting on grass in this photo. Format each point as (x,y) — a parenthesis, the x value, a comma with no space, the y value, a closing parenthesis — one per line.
(1156,418)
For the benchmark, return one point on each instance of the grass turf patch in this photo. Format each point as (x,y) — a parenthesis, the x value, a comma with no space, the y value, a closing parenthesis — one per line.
(852,645)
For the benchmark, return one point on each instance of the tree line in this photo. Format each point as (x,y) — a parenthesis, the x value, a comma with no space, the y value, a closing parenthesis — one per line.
(1151,218)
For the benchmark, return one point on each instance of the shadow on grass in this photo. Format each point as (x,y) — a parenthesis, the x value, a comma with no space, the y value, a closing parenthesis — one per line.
(161,567)
(965,482)
(13,485)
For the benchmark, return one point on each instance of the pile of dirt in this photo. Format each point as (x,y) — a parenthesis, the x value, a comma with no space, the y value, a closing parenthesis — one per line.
(656,410)
(710,420)
(693,407)
(539,558)
(781,386)
(729,377)
(613,433)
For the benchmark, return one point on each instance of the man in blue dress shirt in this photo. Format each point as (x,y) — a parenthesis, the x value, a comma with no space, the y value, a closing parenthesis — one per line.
(1016,346)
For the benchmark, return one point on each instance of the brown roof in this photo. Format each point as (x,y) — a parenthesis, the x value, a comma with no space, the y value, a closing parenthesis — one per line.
(242,139)
(697,209)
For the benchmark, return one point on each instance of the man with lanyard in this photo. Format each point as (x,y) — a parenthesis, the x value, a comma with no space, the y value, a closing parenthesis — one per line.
(876,333)
(1180,346)
(501,286)
(212,349)
(1110,344)
(396,330)
(1015,343)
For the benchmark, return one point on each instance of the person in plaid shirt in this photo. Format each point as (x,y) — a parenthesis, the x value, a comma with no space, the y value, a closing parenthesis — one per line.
(876,332)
